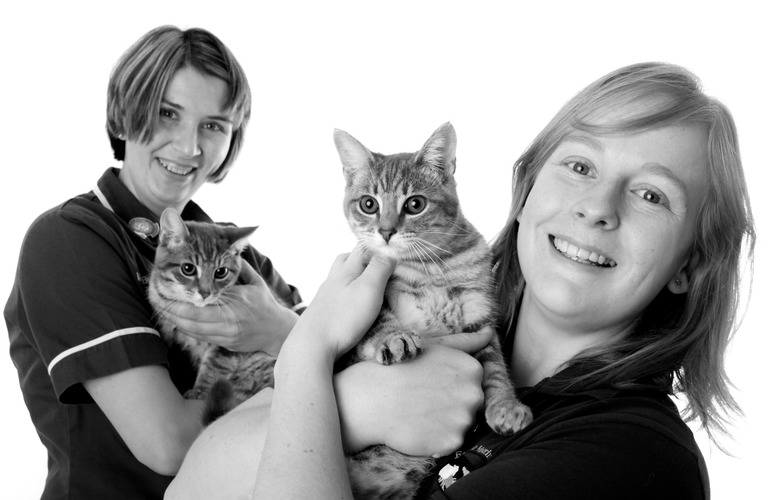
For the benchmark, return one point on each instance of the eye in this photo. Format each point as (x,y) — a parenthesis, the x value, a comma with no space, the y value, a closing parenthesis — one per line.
(369,205)
(213,126)
(579,167)
(167,113)
(188,269)
(415,205)
(652,196)
(221,273)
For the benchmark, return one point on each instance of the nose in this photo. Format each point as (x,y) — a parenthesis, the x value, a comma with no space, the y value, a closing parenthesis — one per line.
(185,140)
(599,208)
(389,218)
(387,233)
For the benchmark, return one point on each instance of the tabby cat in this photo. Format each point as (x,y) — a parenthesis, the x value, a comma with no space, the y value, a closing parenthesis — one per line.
(405,206)
(197,263)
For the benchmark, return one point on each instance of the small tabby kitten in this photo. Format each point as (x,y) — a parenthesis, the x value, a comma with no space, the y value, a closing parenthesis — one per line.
(197,263)
(405,206)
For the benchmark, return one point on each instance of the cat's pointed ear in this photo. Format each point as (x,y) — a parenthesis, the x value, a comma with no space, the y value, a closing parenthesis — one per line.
(172,229)
(239,237)
(354,156)
(440,150)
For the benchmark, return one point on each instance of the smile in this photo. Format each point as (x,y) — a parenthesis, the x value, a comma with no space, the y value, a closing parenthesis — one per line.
(175,168)
(580,255)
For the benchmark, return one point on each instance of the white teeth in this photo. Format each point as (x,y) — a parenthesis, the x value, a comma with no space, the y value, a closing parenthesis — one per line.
(580,255)
(173,168)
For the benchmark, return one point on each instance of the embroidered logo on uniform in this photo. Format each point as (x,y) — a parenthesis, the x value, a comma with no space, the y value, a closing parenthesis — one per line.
(462,465)
(144,227)
(450,474)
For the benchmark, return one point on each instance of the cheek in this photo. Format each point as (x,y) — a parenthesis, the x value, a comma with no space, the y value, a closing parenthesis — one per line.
(217,150)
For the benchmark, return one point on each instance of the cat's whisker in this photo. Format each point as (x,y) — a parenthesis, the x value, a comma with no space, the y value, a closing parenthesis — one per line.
(434,245)
(413,248)
(438,262)
(427,255)
(459,227)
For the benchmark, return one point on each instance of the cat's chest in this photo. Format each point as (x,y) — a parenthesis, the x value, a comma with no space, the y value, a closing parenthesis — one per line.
(437,309)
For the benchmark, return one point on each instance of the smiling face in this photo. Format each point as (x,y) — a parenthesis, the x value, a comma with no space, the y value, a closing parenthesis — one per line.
(609,223)
(191,140)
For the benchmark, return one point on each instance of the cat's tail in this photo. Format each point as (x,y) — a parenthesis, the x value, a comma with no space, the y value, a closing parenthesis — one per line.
(219,401)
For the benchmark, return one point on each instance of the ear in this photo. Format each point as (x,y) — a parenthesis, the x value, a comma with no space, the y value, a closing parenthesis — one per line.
(172,229)
(681,281)
(239,237)
(440,150)
(354,156)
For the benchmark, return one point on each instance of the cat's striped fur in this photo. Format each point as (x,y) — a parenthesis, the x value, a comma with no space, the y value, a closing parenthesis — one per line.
(406,207)
(197,263)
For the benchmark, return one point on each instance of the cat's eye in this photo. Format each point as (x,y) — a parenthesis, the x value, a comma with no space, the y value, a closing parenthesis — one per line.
(369,205)
(188,269)
(415,205)
(221,273)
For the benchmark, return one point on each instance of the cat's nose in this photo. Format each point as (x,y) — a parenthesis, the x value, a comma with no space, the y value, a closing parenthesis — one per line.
(387,233)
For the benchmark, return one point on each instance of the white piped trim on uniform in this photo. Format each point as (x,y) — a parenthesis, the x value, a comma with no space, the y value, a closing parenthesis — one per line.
(100,340)
(102,198)
(298,306)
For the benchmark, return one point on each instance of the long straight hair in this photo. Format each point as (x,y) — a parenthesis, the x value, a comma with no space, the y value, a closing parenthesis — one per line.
(679,342)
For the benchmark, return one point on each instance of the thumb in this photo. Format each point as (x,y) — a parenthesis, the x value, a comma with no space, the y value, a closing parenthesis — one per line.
(248,274)
(469,342)
(378,270)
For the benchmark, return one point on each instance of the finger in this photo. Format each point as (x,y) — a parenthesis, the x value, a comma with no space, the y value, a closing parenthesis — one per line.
(469,342)
(340,260)
(378,270)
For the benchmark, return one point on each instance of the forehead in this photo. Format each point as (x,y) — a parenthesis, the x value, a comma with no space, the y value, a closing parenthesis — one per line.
(191,89)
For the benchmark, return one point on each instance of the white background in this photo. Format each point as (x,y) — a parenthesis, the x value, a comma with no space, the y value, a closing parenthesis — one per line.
(389,73)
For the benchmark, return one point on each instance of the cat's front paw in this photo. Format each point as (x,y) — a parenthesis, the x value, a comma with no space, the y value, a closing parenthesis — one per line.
(397,347)
(507,416)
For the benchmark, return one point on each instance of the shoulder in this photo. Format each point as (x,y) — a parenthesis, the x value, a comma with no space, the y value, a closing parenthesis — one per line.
(648,418)
(77,222)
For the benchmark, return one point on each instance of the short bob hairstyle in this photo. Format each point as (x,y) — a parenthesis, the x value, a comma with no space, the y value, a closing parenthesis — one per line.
(679,343)
(139,79)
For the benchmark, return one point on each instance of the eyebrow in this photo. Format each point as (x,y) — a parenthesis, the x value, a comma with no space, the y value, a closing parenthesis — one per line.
(179,107)
(659,169)
(586,140)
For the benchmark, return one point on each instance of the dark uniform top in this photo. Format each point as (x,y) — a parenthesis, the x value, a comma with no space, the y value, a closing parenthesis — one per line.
(78,311)
(596,444)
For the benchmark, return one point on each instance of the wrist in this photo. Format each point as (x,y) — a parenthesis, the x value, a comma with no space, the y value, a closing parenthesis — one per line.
(361,419)
(286,320)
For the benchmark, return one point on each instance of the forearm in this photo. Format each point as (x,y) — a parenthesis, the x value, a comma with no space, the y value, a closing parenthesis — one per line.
(304,432)
(156,423)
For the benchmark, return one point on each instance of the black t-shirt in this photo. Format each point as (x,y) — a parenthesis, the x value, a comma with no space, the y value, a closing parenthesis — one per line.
(598,444)
(77,311)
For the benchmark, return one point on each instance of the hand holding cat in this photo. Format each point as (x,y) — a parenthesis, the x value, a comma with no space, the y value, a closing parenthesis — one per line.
(347,302)
(423,407)
(252,320)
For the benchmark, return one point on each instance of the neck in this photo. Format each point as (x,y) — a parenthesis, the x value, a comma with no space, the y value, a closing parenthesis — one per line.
(543,344)
(155,208)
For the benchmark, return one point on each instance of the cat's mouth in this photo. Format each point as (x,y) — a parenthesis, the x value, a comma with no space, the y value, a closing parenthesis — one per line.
(175,168)
(580,255)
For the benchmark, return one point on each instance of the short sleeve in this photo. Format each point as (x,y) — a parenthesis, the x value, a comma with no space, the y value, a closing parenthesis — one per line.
(83,301)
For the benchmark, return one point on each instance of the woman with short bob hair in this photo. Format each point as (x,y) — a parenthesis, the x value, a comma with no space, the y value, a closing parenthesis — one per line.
(139,79)
(103,390)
